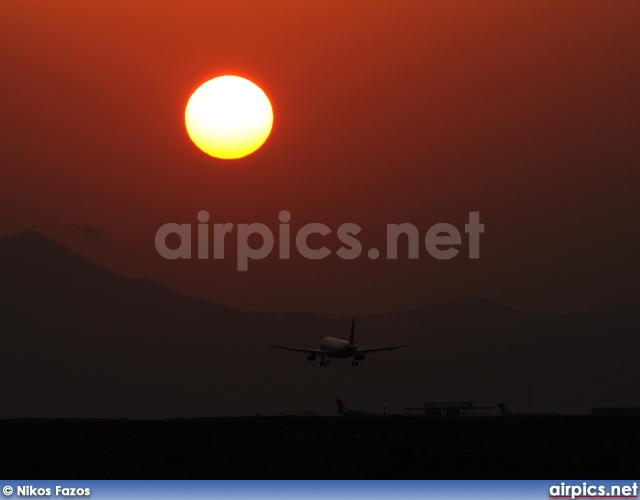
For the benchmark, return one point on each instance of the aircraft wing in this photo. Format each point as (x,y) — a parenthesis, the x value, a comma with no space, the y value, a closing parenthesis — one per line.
(377,348)
(300,349)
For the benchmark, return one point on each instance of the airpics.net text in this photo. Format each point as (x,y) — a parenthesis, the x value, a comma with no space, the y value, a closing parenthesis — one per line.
(440,240)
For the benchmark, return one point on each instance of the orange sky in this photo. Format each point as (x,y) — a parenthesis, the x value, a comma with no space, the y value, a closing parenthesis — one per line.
(385,112)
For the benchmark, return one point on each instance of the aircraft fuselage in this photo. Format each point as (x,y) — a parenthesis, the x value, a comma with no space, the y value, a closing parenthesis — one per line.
(337,348)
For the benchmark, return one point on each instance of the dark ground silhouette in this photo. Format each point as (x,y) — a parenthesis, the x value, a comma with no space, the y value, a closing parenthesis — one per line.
(322,448)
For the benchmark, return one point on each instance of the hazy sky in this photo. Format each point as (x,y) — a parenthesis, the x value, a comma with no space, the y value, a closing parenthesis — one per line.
(384,112)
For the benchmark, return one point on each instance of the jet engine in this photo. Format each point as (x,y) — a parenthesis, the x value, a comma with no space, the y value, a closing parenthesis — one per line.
(311,356)
(358,357)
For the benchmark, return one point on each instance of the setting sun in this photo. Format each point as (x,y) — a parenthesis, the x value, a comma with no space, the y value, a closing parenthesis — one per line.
(228,117)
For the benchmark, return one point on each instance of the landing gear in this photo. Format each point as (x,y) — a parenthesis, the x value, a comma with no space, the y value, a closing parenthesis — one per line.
(354,363)
(323,362)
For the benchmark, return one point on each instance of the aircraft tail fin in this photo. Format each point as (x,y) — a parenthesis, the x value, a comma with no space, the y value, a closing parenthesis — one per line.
(503,410)
(352,336)
(342,409)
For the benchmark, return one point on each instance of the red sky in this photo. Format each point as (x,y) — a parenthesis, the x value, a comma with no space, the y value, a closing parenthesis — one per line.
(384,112)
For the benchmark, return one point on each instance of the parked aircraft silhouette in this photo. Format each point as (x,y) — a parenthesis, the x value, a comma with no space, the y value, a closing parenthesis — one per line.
(348,412)
(504,411)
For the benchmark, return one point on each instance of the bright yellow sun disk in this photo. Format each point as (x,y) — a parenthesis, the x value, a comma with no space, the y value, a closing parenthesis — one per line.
(228,117)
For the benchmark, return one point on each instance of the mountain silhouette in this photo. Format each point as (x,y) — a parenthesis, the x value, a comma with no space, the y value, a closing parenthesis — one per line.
(77,340)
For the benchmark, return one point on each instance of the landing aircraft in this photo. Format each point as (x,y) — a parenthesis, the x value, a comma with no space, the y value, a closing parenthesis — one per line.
(348,412)
(331,347)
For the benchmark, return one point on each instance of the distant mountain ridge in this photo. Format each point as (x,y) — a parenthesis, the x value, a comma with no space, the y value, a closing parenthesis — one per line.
(77,340)
(33,259)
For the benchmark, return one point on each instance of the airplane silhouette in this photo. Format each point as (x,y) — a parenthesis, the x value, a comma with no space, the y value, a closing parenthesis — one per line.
(348,412)
(504,411)
(331,347)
